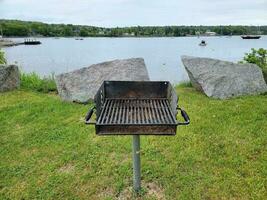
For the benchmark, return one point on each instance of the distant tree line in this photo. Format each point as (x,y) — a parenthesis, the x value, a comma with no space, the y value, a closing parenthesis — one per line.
(27,28)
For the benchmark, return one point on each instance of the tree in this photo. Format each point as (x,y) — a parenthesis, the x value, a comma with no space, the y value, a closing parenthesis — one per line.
(83,32)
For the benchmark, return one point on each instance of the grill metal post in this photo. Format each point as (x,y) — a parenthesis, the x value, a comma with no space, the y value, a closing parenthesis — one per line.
(136,164)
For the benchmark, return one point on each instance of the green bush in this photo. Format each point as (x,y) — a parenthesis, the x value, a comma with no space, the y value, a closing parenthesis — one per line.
(34,82)
(265,74)
(258,57)
(2,57)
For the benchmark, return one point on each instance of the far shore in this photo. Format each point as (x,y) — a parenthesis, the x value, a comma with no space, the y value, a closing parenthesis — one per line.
(103,36)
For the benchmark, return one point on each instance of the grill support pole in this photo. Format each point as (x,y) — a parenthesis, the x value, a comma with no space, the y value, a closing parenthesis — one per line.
(136,164)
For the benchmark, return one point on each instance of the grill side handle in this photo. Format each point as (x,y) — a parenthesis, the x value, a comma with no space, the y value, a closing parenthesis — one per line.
(89,115)
(185,116)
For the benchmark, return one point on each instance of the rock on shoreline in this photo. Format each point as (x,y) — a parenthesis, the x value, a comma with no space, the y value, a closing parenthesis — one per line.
(81,85)
(223,79)
(9,77)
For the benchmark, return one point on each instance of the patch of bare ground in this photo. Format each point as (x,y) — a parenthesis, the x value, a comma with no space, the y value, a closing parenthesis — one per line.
(106,193)
(68,168)
(122,159)
(151,191)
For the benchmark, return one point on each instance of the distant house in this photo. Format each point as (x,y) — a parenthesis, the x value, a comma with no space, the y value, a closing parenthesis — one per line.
(210,33)
(129,34)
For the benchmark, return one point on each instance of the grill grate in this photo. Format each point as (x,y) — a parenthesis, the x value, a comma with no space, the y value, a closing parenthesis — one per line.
(136,112)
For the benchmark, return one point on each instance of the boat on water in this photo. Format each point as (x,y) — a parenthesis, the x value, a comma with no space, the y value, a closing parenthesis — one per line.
(78,38)
(31,42)
(250,36)
(203,43)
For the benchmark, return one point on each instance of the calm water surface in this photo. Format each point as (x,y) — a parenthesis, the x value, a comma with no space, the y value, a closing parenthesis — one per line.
(162,55)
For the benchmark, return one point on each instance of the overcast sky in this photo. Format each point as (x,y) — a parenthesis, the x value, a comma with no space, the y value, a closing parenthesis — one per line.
(111,13)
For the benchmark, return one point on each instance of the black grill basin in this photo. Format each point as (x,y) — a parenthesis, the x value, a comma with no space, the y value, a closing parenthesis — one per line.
(136,107)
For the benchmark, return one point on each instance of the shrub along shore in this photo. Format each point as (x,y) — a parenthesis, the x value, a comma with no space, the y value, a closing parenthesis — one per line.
(34,82)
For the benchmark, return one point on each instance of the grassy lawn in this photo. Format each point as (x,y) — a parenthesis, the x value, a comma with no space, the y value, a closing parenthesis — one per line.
(47,152)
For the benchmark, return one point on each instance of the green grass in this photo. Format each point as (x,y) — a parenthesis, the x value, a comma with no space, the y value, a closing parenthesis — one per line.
(47,152)
(185,84)
(33,81)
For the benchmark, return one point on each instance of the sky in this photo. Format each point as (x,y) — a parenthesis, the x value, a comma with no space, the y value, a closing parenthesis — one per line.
(113,13)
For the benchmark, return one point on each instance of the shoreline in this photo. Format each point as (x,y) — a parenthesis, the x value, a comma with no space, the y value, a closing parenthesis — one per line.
(9,43)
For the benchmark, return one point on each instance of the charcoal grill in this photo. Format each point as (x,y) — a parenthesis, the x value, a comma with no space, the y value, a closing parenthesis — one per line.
(136,108)
(133,107)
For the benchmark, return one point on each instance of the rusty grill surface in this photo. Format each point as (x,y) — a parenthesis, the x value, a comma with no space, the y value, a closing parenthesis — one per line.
(136,112)
(135,107)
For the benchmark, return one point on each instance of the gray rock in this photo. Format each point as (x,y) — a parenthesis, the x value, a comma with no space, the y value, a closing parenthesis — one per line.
(223,79)
(9,77)
(81,85)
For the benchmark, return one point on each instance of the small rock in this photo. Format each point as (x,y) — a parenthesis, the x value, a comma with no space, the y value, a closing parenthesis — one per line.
(9,77)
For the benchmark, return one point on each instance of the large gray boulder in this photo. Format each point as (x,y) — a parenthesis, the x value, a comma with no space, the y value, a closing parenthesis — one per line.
(9,77)
(223,79)
(81,85)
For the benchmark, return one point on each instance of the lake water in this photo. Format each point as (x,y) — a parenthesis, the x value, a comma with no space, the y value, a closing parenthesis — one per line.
(162,55)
